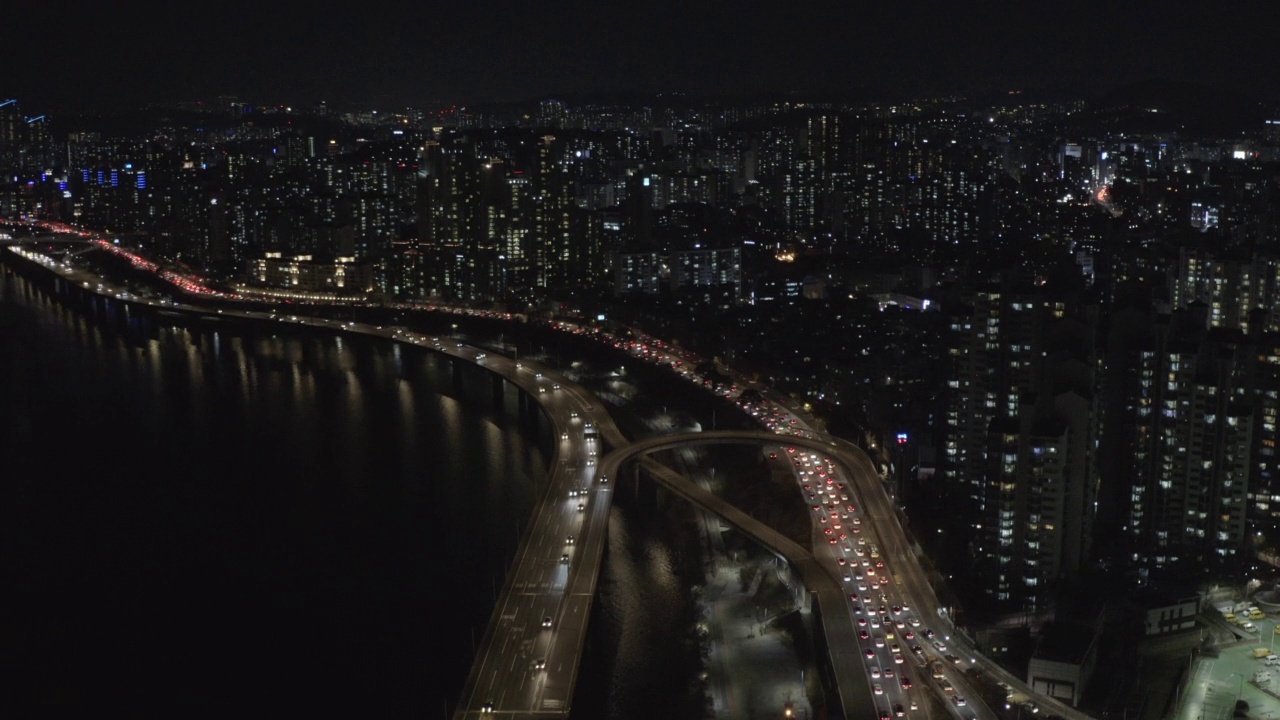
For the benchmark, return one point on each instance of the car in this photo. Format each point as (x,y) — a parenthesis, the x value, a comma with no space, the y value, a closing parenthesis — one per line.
(546,621)
(917,650)
(864,635)
(906,683)
(487,708)
(884,715)
(888,672)
(878,689)
(604,479)
(942,647)
(832,541)
(908,635)
(897,609)
(564,436)
(959,701)
(573,414)
(539,664)
(564,558)
(841,562)
(928,633)
(568,540)
(875,672)
(914,705)
(953,659)
(555,386)
(870,653)
(879,642)
(582,506)
(898,711)
(848,578)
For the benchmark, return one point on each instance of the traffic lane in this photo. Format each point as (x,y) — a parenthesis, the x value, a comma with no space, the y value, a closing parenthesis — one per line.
(880,516)
(513,679)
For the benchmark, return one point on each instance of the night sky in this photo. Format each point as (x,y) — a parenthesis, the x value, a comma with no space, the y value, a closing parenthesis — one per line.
(70,55)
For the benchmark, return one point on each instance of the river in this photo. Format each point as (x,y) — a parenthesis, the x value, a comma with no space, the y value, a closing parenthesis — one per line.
(212,517)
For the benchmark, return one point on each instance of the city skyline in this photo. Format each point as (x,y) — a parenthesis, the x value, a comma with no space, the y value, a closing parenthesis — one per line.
(1051,323)
(79,56)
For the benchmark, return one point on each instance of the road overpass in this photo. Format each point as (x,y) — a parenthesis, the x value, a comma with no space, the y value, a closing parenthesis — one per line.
(543,582)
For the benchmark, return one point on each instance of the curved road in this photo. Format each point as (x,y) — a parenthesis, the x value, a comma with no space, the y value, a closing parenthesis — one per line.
(527,666)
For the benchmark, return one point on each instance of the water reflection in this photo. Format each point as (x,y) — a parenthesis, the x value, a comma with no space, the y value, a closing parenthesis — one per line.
(252,514)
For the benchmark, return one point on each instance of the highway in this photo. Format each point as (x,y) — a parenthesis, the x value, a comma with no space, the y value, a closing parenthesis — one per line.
(527,664)
(528,667)
(820,574)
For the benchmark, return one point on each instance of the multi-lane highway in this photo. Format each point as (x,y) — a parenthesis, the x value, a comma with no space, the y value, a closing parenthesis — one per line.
(860,665)
(527,665)
(528,661)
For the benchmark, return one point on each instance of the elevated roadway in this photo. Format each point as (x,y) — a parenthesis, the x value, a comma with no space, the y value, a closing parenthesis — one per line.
(528,668)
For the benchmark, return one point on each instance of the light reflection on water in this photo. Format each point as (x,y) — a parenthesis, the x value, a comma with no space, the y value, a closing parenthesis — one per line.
(332,513)
(252,516)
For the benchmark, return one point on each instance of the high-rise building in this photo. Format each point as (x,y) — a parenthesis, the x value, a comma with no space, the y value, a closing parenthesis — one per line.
(1191,428)
(1019,434)
(552,236)
(1231,283)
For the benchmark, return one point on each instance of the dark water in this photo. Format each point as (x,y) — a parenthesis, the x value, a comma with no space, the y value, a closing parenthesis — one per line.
(218,517)
(205,517)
